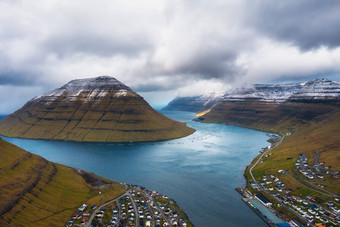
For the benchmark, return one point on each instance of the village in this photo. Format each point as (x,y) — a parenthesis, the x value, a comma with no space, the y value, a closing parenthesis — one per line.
(309,209)
(137,207)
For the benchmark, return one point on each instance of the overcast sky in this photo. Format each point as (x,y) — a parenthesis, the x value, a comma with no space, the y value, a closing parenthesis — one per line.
(169,48)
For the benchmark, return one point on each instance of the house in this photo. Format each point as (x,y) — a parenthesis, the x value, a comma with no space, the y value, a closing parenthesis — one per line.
(254,185)
(295,223)
(278,188)
(263,200)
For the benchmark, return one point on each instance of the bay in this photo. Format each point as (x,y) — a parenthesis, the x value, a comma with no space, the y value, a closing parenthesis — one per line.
(199,172)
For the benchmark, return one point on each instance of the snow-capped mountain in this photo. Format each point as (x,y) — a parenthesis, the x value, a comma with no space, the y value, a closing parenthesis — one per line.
(98,109)
(317,90)
(264,106)
(276,93)
(88,89)
(270,93)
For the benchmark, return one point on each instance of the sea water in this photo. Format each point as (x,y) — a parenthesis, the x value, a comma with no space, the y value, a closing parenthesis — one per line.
(199,171)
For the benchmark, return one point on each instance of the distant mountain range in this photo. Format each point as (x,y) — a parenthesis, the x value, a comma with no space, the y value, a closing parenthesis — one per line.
(318,90)
(100,109)
(194,103)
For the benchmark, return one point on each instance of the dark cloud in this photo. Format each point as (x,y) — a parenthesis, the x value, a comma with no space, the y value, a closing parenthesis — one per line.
(210,64)
(18,78)
(307,23)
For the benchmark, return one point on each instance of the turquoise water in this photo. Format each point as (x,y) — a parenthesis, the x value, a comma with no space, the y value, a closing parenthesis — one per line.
(200,171)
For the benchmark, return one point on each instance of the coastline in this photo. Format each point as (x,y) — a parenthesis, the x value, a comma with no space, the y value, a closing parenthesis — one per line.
(97,142)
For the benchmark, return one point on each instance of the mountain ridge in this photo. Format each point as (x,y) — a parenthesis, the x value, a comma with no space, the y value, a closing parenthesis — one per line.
(317,90)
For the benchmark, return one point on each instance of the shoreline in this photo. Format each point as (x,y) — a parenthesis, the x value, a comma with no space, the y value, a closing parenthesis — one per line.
(97,142)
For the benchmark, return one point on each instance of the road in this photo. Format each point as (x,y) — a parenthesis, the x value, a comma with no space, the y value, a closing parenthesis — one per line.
(88,224)
(276,144)
(135,208)
(321,190)
(160,210)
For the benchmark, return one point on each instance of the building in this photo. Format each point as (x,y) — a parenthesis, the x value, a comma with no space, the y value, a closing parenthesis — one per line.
(295,223)
(263,200)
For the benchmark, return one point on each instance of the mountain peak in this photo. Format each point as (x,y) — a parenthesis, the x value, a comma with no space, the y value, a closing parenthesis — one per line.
(318,81)
(264,92)
(101,81)
(88,88)
(317,89)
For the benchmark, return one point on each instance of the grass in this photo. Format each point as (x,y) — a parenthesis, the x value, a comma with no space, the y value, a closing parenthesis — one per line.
(35,192)
(109,119)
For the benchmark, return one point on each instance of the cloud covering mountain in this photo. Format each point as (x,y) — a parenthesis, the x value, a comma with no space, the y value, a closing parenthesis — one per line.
(156,45)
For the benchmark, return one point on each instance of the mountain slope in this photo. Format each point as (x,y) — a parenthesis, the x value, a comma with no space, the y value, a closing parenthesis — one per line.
(311,114)
(300,105)
(98,109)
(36,192)
(270,93)
(318,91)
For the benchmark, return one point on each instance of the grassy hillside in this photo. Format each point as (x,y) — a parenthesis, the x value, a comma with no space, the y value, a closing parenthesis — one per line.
(35,192)
(268,116)
(321,136)
(104,119)
(311,127)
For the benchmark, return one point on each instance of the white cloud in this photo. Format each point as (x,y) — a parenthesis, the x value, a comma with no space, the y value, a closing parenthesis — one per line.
(164,45)
(273,60)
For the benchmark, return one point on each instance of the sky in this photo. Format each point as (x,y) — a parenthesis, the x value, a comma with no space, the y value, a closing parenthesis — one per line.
(163,49)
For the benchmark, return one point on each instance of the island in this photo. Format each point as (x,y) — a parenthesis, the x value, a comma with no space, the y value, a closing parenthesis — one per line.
(100,109)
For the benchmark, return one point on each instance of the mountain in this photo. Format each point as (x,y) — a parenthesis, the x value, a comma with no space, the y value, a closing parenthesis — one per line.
(248,106)
(268,93)
(276,106)
(100,109)
(318,90)
(271,93)
(194,103)
(36,192)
